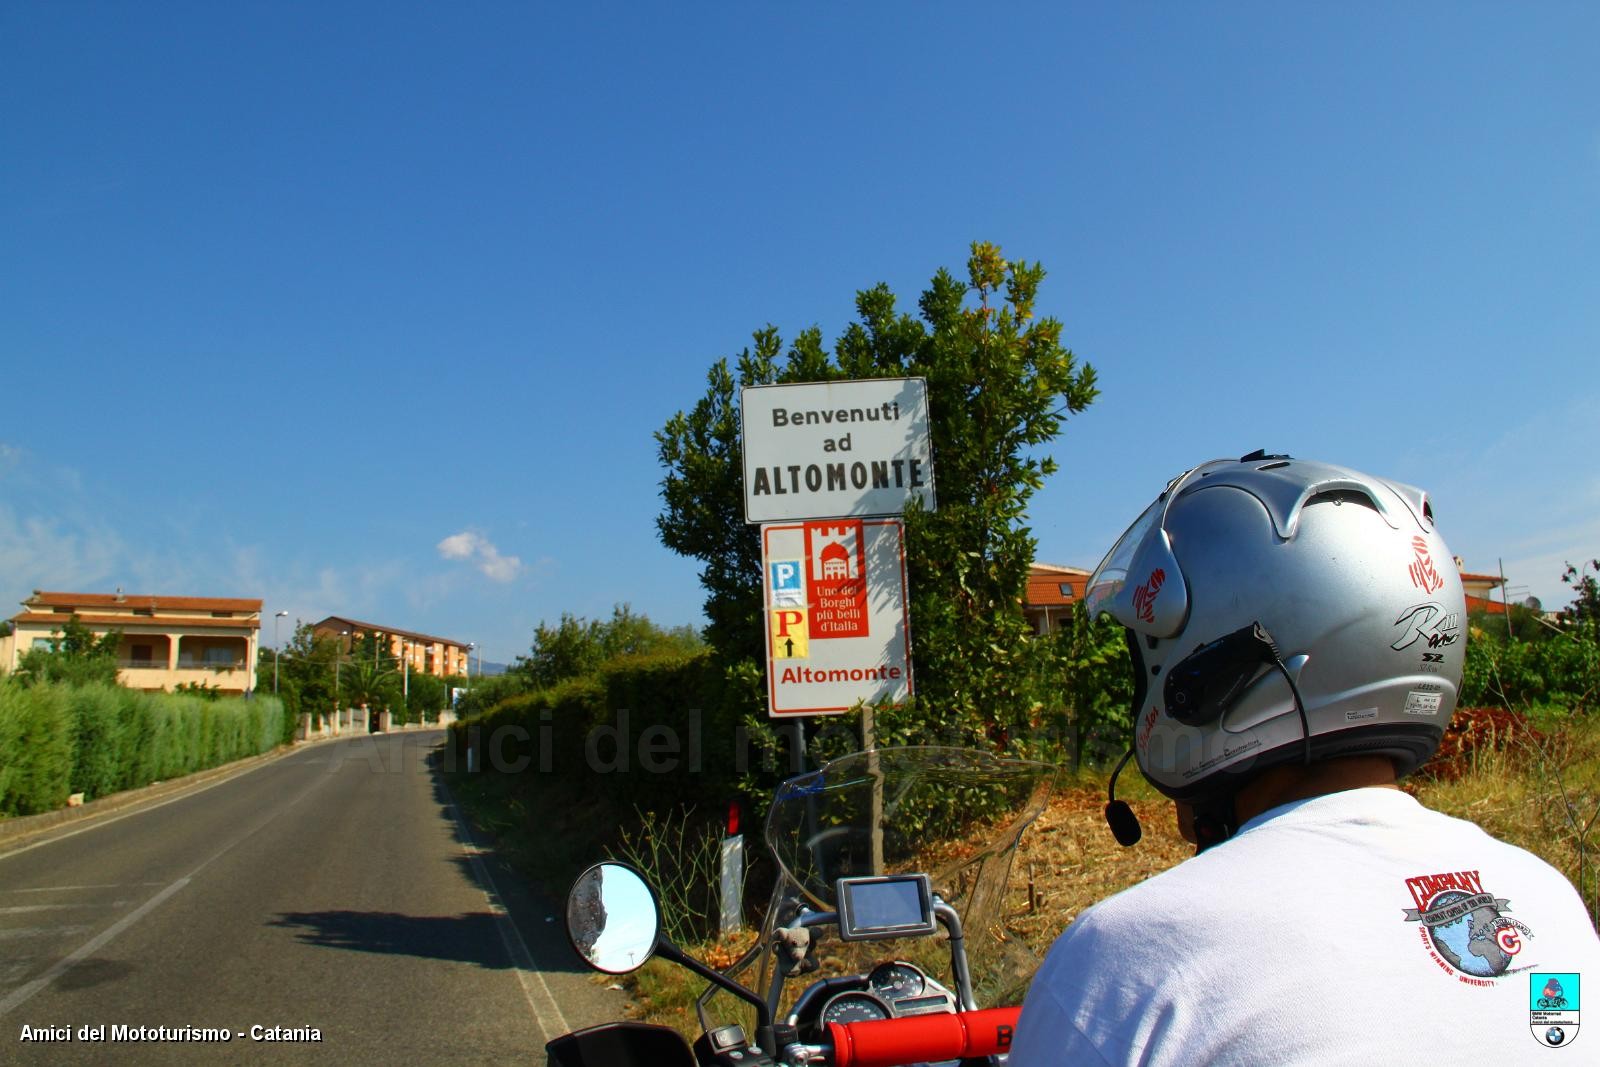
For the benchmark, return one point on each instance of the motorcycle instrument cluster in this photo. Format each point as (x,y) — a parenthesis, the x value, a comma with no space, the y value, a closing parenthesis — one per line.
(894,990)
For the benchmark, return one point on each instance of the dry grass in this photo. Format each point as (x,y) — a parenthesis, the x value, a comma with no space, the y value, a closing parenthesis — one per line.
(1071,860)
(1538,789)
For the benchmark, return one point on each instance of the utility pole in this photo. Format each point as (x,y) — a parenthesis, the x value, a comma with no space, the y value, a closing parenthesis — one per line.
(1505,598)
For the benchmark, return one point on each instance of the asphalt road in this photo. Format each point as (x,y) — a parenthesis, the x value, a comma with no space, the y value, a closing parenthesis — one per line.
(334,889)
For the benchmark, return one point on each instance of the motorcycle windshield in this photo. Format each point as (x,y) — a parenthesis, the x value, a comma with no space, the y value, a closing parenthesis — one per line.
(953,814)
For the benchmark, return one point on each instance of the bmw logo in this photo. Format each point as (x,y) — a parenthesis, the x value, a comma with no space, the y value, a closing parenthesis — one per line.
(1554,1036)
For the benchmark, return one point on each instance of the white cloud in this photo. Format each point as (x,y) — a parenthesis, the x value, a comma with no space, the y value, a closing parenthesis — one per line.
(482,554)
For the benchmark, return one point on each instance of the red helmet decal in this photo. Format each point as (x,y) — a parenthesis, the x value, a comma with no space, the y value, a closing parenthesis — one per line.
(1423,573)
(1144,597)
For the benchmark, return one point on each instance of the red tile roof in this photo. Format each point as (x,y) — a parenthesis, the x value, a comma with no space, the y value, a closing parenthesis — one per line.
(124,622)
(1045,582)
(129,600)
(336,622)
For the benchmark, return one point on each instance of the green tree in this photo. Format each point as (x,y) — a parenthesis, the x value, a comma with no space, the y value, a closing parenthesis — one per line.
(1000,384)
(370,675)
(73,655)
(569,649)
(1584,617)
(425,696)
(577,646)
(1089,668)
(1584,611)
(305,668)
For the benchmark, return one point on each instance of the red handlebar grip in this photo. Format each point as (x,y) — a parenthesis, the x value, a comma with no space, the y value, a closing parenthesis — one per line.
(890,1042)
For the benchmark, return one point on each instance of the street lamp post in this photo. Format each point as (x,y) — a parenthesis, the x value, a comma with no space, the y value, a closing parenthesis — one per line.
(275,645)
(338,658)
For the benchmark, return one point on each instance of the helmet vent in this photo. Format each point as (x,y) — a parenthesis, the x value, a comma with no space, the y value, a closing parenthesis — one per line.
(1272,466)
(1344,496)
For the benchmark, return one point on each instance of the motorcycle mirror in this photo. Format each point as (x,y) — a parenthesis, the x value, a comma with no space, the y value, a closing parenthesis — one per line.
(613,918)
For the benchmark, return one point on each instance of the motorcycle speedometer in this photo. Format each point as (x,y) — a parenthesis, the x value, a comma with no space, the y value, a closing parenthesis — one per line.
(895,980)
(854,1007)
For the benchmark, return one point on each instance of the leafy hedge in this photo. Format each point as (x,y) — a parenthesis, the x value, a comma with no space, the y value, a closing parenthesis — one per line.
(56,740)
(652,732)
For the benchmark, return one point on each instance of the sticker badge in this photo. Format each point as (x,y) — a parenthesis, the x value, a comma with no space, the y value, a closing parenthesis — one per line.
(1144,597)
(1464,927)
(786,579)
(1428,623)
(1424,575)
(1424,701)
(789,637)
(1553,1008)
(836,557)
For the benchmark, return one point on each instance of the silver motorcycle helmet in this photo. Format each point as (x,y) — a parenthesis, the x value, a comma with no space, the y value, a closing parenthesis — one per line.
(1280,610)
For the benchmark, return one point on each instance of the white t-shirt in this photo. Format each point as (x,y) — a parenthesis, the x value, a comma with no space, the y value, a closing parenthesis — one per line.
(1352,928)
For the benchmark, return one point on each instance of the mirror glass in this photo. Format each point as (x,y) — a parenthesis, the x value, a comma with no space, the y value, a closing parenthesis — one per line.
(613,918)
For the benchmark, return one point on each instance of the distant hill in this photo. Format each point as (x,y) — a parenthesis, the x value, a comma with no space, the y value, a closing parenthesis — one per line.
(486,668)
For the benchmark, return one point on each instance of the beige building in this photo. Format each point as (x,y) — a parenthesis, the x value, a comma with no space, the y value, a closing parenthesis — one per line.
(425,653)
(167,641)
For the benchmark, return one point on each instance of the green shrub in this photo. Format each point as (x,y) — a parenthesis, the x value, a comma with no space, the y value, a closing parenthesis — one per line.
(99,749)
(10,739)
(38,747)
(97,739)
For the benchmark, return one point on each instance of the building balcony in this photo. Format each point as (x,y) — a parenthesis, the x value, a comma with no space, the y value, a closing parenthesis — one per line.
(185,663)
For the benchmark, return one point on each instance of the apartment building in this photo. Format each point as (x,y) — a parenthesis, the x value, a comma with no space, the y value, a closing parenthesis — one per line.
(166,641)
(425,653)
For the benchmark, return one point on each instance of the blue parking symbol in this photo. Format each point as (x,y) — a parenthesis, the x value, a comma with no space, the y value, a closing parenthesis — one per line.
(785,579)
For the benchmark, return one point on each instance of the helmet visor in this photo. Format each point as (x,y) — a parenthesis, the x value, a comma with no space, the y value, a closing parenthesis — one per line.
(1112,574)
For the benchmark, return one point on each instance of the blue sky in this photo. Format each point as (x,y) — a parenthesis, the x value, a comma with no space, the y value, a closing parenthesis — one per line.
(372,309)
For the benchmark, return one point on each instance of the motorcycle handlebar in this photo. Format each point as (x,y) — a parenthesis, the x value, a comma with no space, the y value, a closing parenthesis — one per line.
(888,1042)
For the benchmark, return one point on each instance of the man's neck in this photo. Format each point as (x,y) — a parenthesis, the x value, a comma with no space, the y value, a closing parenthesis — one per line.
(1289,782)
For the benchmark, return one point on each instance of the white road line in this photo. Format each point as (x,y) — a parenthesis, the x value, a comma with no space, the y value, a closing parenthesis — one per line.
(534,987)
(16,933)
(22,994)
(41,907)
(78,888)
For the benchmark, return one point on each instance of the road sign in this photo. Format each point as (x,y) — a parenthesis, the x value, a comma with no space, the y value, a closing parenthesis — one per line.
(837,632)
(847,449)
